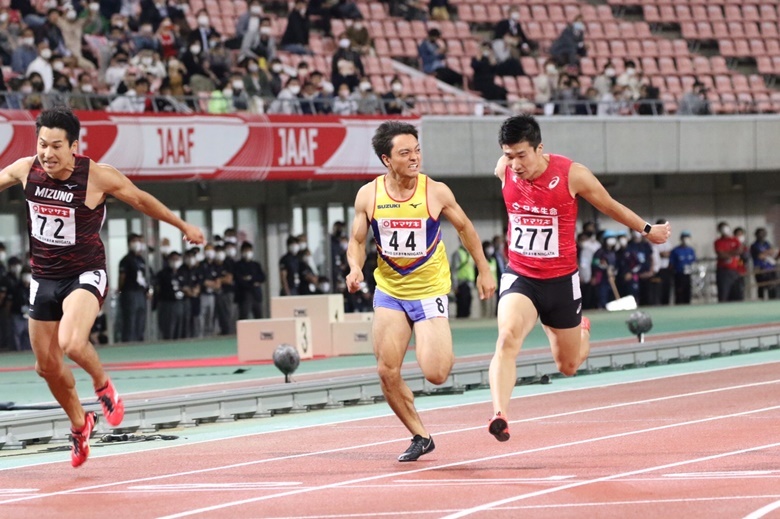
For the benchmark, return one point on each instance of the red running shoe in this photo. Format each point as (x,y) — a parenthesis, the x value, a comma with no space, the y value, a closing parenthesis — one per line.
(113,407)
(585,323)
(499,427)
(79,450)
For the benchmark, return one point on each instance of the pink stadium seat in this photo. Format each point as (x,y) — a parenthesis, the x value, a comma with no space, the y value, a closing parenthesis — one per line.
(570,12)
(371,65)
(751,30)
(650,48)
(539,13)
(701,65)
(455,64)
(455,48)
(410,48)
(764,65)
(628,30)
(533,30)
(555,12)
(684,65)
(689,31)
(772,47)
(470,47)
(649,66)
(726,48)
(461,29)
(381,47)
(375,29)
(714,13)
(378,84)
(618,48)
(673,85)
(376,11)
(494,12)
(718,65)
(634,48)
(757,47)
(549,30)
(705,30)
(750,13)
(604,12)
(682,13)
(745,102)
(601,49)
(769,29)
(588,12)
(390,29)
(723,84)
(530,68)
(775,97)
(680,47)
(611,30)
(525,86)
(741,48)
(665,48)
(670,102)
(698,12)
(651,13)
(666,66)
(658,82)
(465,13)
(776,65)
(420,31)
(403,29)
(594,30)
(396,47)
(740,83)
(480,13)
(767,12)
(736,30)
(762,101)
(720,30)
(642,30)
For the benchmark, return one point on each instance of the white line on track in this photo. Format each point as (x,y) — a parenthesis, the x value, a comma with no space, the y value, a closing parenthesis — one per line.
(761,512)
(354,447)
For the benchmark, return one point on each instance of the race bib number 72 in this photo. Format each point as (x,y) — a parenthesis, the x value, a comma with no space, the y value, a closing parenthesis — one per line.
(534,235)
(53,224)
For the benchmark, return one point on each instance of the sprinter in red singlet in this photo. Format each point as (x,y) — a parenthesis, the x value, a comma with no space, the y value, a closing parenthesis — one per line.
(541,280)
(66,196)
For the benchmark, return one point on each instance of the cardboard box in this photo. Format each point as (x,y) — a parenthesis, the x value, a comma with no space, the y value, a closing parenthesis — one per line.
(258,338)
(359,316)
(323,310)
(352,338)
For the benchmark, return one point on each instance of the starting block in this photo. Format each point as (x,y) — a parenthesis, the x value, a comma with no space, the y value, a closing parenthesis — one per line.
(352,338)
(258,338)
(323,310)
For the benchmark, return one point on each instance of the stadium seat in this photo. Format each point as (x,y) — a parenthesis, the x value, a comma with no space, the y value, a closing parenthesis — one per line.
(751,30)
(674,85)
(409,48)
(461,29)
(525,86)
(403,29)
(633,49)
(649,67)
(665,48)
(588,13)
(723,84)
(555,13)
(689,30)
(670,102)
(757,48)
(419,30)
(601,49)
(772,47)
(769,29)
(705,30)
(682,13)
(651,14)
(494,13)
(455,48)
(764,65)
(571,11)
(611,30)
(381,47)
(618,48)
(775,97)
(736,30)
(376,11)
(595,31)
(465,13)
(762,102)
(666,66)
(650,48)
(741,48)
(701,65)
(529,65)
(396,47)
(680,47)
(714,13)
(480,13)
(767,12)
(685,65)
(750,13)
(740,83)
(719,66)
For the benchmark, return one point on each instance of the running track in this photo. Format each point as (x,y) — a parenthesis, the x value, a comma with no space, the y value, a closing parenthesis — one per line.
(697,445)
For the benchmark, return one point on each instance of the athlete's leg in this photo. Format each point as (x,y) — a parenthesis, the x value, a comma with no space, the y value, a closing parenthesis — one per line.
(392,332)
(80,308)
(433,345)
(50,366)
(570,347)
(516,318)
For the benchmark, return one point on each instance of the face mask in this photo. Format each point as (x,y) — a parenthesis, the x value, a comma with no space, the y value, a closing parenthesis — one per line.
(27,41)
(248,255)
(94,6)
(265,30)
(165,250)
(256,10)
(365,87)
(343,94)
(325,287)
(741,239)
(397,87)
(293,249)
(26,89)
(490,251)
(46,53)
(26,279)
(686,242)
(252,67)
(203,21)
(344,245)
(220,256)
(147,60)
(726,230)
(87,88)
(231,239)
(3,17)
(579,26)
(515,16)
(58,65)
(302,245)
(175,265)
(276,67)
(551,69)
(238,85)
(636,236)
(295,89)
(195,49)
(3,256)
(610,72)
(227,92)
(192,261)
(70,15)
(16,270)
(611,242)
(210,254)
(231,252)
(344,43)
(630,72)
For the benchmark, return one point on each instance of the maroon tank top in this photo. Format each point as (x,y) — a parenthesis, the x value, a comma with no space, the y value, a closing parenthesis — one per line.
(64,233)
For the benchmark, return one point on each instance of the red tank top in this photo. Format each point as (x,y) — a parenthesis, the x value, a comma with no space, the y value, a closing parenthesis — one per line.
(64,233)
(542,214)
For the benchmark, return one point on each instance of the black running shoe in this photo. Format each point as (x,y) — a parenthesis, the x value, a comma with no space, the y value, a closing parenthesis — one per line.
(418,447)
(499,427)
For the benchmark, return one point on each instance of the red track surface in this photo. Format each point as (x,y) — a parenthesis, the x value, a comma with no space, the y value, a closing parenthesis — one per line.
(702,445)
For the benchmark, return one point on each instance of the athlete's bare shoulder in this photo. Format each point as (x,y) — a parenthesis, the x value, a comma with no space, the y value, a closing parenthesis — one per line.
(581,179)
(16,172)
(364,200)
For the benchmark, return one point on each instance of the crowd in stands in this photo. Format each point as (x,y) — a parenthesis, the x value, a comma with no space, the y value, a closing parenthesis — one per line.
(305,57)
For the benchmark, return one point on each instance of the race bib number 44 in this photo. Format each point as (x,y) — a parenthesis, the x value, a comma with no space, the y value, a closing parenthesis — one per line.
(402,237)
(53,224)
(534,235)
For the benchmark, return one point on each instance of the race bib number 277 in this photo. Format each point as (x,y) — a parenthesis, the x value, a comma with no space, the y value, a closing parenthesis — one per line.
(534,235)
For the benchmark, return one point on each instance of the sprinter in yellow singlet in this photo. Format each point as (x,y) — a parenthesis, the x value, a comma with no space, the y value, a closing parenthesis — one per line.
(403,208)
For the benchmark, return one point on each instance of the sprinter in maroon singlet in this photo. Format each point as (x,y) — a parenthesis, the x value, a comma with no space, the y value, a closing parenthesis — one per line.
(541,280)
(66,196)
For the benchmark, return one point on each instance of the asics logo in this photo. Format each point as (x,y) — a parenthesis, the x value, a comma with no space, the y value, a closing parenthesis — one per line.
(553,183)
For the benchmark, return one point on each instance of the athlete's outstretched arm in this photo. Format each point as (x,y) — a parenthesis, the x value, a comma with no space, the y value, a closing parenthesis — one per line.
(486,283)
(110,181)
(584,183)
(356,250)
(15,173)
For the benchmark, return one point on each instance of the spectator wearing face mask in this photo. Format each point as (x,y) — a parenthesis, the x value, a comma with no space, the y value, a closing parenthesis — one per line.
(170,296)
(484,75)
(25,52)
(546,83)
(133,287)
(250,276)
(198,76)
(290,268)
(209,288)
(147,62)
(729,251)
(42,66)
(72,30)
(258,42)
(367,101)
(205,33)
(95,24)
(631,80)
(288,100)
(569,47)
(604,82)
(134,100)
(764,258)
(257,85)
(153,12)
(347,75)
(20,310)
(395,102)
(296,36)
(225,316)
(168,41)
(345,52)
(192,320)
(681,261)
(344,103)
(275,76)
(359,37)
(51,32)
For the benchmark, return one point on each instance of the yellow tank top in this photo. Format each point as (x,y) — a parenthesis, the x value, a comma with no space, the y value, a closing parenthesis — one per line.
(412,260)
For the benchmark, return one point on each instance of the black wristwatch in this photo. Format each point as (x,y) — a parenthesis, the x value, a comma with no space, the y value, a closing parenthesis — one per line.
(647,229)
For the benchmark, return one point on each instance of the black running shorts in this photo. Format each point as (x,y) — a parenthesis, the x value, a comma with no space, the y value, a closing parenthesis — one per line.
(558,300)
(47,295)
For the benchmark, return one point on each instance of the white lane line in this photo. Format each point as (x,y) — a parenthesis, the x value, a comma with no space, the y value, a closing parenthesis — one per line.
(508,455)
(373,444)
(501,502)
(761,512)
